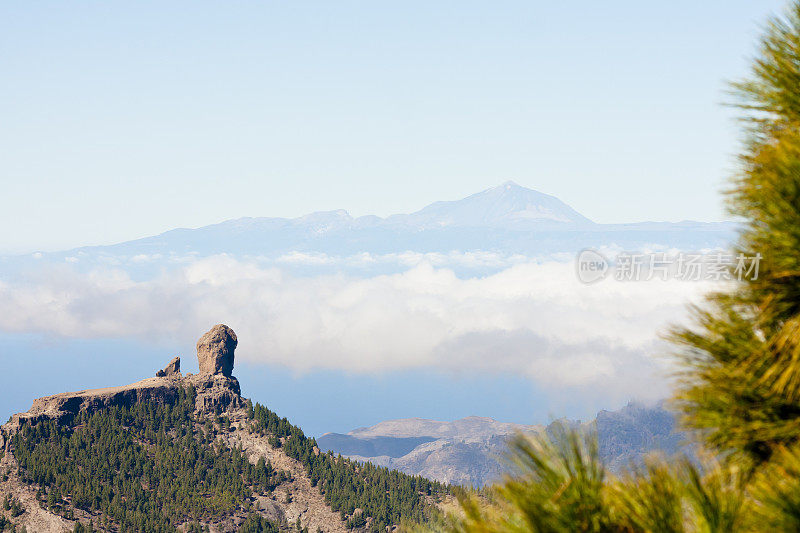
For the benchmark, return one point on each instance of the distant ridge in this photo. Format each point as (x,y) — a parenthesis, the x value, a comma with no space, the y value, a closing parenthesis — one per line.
(507,219)
(469,451)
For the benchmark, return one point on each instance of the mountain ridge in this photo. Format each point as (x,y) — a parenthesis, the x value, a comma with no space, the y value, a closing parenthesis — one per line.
(416,426)
(469,451)
(508,219)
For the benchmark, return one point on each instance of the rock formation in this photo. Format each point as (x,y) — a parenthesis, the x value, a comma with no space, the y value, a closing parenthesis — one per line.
(174,367)
(216,389)
(215,392)
(215,350)
(64,406)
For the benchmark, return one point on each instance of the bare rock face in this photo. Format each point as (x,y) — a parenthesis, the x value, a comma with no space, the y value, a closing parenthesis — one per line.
(215,350)
(215,392)
(64,406)
(174,367)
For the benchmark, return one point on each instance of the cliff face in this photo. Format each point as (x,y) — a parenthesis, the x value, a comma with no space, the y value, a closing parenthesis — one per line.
(213,391)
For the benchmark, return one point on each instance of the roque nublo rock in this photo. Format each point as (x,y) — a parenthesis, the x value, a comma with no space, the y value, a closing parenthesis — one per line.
(215,350)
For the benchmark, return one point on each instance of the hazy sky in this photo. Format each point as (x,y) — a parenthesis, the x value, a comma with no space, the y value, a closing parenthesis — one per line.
(119,120)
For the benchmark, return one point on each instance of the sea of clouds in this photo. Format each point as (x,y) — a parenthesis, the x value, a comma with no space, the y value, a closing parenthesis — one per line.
(531,318)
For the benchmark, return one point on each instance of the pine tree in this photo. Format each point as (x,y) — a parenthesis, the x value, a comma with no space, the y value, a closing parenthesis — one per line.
(740,379)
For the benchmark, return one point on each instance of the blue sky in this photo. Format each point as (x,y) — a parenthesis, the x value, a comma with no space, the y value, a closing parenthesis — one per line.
(121,120)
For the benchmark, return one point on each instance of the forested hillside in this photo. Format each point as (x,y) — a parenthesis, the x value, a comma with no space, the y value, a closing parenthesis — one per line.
(154,466)
(147,467)
(387,496)
(176,453)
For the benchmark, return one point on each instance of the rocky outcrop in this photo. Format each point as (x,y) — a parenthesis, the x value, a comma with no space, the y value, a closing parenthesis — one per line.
(216,388)
(215,392)
(174,367)
(215,350)
(62,407)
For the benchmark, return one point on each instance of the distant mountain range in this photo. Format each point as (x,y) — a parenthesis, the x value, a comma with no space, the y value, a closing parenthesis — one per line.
(507,219)
(470,451)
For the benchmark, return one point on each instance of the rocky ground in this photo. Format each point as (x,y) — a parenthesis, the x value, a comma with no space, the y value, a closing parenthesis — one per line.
(293,499)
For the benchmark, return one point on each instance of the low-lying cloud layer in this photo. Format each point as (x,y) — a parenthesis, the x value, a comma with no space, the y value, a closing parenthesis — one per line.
(528,319)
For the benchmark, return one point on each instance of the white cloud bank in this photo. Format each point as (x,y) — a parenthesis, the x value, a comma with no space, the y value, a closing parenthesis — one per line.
(529,319)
